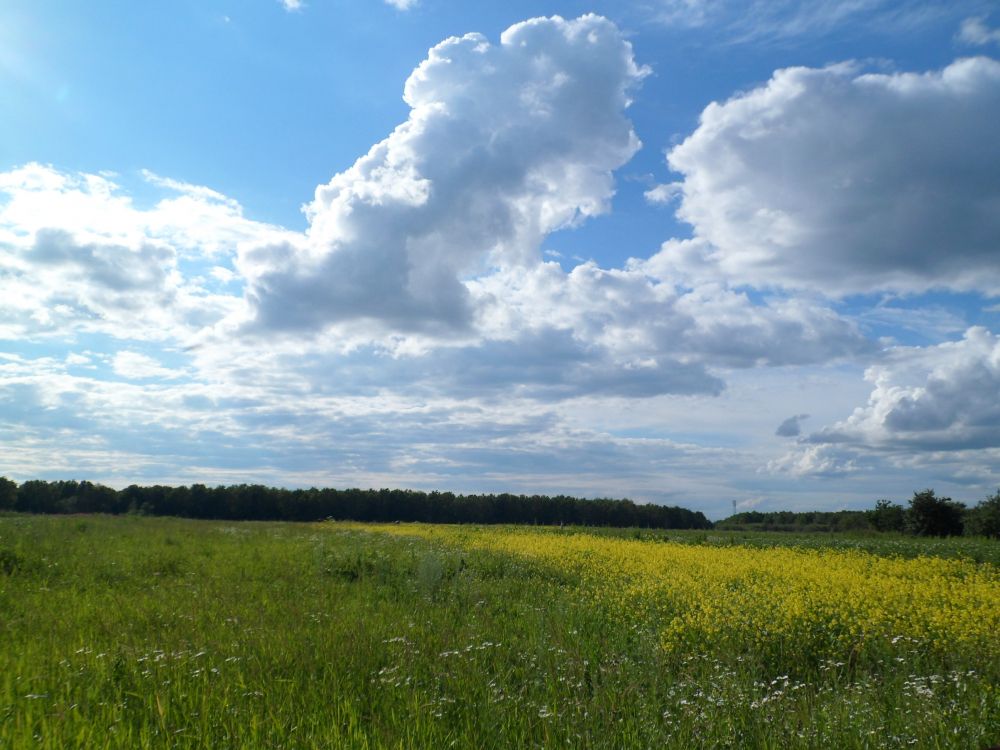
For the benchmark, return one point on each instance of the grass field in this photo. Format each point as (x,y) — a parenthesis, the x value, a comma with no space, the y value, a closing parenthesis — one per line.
(140,632)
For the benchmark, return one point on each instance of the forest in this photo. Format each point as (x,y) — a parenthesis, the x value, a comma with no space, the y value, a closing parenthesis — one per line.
(254,502)
(926,513)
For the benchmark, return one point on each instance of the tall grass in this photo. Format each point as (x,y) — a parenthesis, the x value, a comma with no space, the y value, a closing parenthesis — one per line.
(136,632)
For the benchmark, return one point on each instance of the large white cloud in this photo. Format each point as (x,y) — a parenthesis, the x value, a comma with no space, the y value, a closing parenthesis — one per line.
(847,182)
(504,144)
(641,319)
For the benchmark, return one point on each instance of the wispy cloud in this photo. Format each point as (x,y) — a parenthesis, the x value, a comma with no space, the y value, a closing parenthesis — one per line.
(975,31)
(758,20)
(134,365)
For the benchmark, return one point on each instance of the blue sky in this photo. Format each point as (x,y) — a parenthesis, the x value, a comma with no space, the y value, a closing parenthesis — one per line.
(685,251)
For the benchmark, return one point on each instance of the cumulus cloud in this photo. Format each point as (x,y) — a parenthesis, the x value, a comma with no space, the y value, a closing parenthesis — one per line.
(402,4)
(815,461)
(423,257)
(845,182)
(933,406)
(939,398)
(504,144)
(639,318)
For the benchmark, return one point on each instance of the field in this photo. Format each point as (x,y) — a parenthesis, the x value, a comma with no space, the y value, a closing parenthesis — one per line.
(140,632)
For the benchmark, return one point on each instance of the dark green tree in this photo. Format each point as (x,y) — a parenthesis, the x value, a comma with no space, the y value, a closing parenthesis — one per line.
(984,519)
(8,494)
(38,496)
(887,516)
(929,515)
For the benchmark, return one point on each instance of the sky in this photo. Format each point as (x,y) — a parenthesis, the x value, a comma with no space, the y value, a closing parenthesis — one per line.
(713,253)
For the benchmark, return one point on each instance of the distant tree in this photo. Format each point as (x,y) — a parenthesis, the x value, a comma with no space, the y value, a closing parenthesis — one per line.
(257,502)
(8,494)
(984,519)
(38,496)
(851,521)
(887,516)
(929,515)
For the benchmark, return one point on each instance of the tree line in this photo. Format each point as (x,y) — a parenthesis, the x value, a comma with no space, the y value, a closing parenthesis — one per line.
(925,515)
(254,502)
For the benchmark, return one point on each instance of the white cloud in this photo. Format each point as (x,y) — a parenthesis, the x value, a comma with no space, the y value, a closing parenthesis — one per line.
(136,366)
(975,31)
(815,461)
(641,319)
(504,144)
(933,416)
(939,398)
(81,360)
(846,182)
(292,5)
(425,254)
(402,4)
(663,194)
(77,255)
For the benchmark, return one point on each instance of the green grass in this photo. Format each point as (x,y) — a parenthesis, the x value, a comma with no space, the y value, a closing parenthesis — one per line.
(137,632)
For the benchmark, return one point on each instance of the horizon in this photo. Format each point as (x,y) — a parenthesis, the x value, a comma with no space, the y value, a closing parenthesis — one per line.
(735,512)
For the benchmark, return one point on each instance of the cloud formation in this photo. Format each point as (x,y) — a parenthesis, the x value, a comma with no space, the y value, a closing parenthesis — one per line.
(504,144)
(76,254)
(415,334)
(939,398)
(791,427)
(639,315)
(975,31)
(848,182)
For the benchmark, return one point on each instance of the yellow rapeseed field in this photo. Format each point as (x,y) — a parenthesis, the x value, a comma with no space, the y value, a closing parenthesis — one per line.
(827,604)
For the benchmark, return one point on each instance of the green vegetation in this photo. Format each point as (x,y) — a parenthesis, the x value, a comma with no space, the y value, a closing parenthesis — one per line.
(131,632)
(254,502)
(926,515)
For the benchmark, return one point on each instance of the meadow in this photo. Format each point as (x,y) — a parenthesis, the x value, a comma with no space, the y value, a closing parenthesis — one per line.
(127,632)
